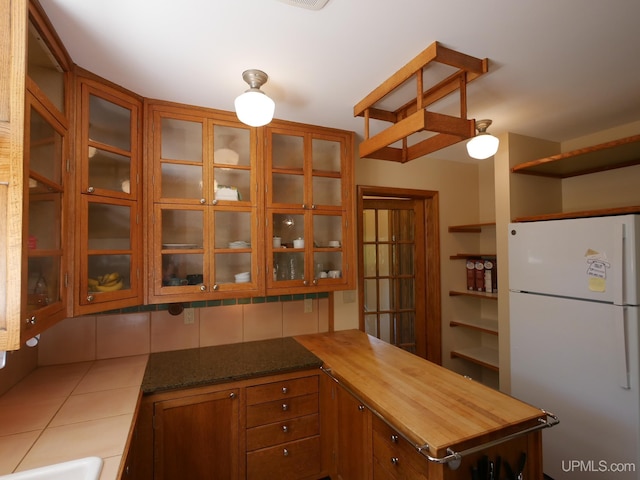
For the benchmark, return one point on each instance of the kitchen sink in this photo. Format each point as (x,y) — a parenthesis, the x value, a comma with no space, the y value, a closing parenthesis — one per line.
(87,468)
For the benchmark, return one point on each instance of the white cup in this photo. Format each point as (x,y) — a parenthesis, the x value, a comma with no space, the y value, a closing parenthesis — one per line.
(334,273)
(277,242)
(323,275)
(298,243)
(334,243)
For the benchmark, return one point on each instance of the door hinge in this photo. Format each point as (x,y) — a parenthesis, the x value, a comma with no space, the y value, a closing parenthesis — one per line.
(68,165)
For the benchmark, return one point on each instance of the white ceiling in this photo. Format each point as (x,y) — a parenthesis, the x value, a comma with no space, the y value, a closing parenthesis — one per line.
(558,69)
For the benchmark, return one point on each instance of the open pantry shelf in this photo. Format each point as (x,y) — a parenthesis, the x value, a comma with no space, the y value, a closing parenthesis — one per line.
(484,356)
(481,324)
(470,293)
(464,256)
(471,228)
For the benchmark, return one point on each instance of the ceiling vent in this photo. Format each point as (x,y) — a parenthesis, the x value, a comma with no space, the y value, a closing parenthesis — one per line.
(308,4)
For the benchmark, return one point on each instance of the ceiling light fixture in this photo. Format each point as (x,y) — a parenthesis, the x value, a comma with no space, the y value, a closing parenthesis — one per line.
(483,145)
(254,107)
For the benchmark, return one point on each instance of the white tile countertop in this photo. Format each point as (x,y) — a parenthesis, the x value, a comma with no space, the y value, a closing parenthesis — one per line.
(65,412)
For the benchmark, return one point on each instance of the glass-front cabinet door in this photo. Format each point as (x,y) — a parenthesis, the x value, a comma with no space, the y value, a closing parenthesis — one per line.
(44,284)
(308,209)
(109,271)
(205,228)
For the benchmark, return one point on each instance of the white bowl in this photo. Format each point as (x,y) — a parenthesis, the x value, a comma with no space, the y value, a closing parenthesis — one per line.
(87,468)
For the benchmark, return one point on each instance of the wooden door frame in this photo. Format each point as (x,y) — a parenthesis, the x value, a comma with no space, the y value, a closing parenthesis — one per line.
(430,199)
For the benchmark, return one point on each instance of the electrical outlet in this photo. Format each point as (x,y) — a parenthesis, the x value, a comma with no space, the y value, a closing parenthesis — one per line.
(308,305)
(189,316)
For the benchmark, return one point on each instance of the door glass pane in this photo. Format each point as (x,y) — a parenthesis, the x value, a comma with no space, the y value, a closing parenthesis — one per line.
(288,228)
(43,281)
(44,69)
(369,225)
(383,225)
(383,260)
(406,263)
(181,181)
(386,295)
(109,123)
(232,229)
(103,265)
(371,325)
(327,191)
(232,181)
(233,268)
(45,149)
(326,155)
(182,229)
(232,146)
(369,260)
(386,327)
(181,140)
(371,295)
(287,151)
(109,227)
(406,293)
(109,170)
(405,228)
(179,269)
(287,189)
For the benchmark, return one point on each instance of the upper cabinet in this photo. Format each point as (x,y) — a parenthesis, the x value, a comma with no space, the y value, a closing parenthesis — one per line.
(108,208)
(309,204)
(204,236)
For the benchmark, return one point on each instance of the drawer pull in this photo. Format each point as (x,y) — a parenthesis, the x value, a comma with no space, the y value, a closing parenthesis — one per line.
(285,452)
(285,407)
(395,460)
(394,438)
(361,408)
(285,390)
(285,429)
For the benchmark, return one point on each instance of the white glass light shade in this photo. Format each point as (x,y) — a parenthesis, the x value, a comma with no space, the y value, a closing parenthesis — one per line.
(254,108)
(483,145)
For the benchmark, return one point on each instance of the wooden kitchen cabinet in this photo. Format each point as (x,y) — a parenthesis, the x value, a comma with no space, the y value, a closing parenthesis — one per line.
(309,203)
(197,436)
(108,204)
(204,237)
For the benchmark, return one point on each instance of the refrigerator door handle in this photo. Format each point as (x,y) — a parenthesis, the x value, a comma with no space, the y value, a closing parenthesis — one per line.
(622,353)
(618,263)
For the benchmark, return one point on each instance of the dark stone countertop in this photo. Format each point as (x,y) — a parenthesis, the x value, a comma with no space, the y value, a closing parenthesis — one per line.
(196,367)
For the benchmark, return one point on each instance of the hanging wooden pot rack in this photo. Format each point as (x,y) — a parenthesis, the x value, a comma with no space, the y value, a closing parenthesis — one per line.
(413,117)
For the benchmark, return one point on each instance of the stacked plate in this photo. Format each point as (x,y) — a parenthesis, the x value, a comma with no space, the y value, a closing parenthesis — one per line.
(239,244)
(243,277)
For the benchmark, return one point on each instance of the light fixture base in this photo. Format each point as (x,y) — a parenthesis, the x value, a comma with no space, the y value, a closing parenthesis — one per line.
(482,125)
(255,78)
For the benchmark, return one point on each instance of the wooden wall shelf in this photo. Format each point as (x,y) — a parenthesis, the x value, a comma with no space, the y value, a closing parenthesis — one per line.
(487,357)
(469,293)
(471,228)
(582,214)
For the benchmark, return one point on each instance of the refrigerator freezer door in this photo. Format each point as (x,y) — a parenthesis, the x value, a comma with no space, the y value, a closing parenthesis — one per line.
(589,258)
(566,357)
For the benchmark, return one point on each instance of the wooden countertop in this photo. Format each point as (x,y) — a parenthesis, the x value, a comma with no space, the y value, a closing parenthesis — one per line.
(427,403)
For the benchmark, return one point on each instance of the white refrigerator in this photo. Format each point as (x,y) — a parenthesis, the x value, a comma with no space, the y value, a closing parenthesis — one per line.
(573,294)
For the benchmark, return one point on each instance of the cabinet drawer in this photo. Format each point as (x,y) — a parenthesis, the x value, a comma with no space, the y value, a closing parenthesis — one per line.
(282,432)
(299,459)
(278,410)
(281,390)
(394,457)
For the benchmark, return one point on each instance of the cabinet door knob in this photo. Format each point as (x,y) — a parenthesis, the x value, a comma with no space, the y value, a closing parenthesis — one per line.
(203,288)
(304,205)
(285,452)
(394,438)
(395,460)
(285,429)
(305,283)
(91,190)
(31,320)
(214,201)
(232,395)
(285,390)
(203,201)
(361,408)
(89,298)
(285,407)
(215,286)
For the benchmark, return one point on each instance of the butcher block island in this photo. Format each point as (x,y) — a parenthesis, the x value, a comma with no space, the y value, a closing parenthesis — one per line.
(396,415)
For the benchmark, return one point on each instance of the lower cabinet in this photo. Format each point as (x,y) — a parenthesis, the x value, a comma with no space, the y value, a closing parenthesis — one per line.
(353,449)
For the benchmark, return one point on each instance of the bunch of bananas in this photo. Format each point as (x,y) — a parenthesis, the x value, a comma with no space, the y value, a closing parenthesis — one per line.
(109,282)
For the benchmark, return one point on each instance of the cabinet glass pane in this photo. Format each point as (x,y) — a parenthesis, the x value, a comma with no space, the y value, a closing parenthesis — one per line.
(109,171)
(109,227)
(327,229)
(101,265)
(287,189)
(109,124)
(236,181)
(232,229)
(327,191)
(288,266)
(328,262)
(233,268)
(181,181)
(181,140)
(44,220)
(45,149)
(287,151)
(231,146)
(182,269)
(326,155)
(288,228)
(182,229)
(43,277)
(44,69)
